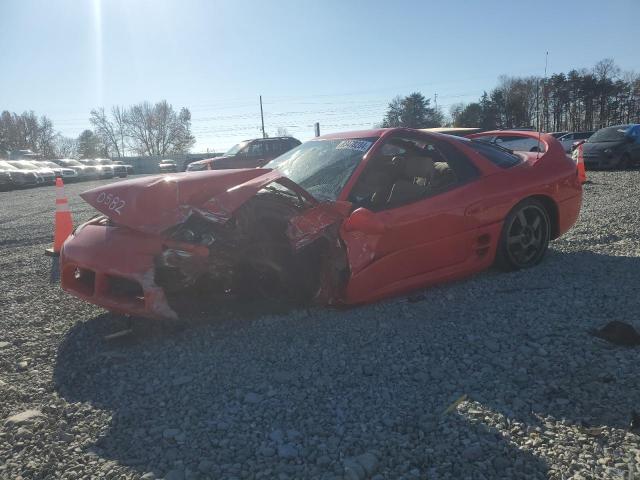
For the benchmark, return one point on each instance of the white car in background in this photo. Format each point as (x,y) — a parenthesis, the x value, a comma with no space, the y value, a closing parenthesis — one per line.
(84,171)
(65,173)
(104,171)
(118,169)
(20,177)
(45,175)
(569,139)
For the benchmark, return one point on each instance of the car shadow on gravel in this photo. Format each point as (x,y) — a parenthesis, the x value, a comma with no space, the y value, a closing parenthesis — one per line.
(176,403)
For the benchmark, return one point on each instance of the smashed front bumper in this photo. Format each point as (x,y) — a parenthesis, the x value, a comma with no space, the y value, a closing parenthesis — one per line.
(113,267)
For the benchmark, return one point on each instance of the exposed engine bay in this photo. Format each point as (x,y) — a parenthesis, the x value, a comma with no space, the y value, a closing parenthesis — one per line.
(252,257)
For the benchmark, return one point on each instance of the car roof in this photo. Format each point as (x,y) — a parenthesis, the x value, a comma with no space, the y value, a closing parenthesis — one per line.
(374,132)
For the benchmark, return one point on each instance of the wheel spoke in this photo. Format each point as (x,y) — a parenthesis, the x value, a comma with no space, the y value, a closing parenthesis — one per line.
(522,218)
(536,223)
(515,240)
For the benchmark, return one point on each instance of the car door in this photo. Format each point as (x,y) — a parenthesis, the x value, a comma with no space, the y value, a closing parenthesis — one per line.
(423,237)
(253,155)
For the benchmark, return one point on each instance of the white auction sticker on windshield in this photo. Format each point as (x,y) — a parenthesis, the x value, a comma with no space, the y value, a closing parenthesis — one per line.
(357,145)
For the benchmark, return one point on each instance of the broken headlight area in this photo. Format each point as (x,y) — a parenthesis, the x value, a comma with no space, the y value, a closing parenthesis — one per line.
(249,258)
(99,219)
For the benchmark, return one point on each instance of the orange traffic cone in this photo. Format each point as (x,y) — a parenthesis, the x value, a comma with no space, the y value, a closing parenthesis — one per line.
(64,223)
(582,174)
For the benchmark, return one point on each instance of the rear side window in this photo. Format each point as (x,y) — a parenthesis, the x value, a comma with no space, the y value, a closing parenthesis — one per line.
(255,149)
(494,154)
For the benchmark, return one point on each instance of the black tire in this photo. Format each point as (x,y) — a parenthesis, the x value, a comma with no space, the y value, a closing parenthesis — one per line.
(525,236)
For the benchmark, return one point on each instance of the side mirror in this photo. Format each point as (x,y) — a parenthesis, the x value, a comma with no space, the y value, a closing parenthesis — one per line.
(365,221)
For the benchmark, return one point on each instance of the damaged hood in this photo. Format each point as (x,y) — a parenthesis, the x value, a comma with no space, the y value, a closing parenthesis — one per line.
(153,204)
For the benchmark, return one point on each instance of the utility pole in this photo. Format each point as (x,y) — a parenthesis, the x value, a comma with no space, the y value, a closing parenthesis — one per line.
(435,101)
(262,117)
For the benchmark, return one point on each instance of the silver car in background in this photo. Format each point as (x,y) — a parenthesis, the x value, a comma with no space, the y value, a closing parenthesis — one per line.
(45,175)
(570,138)
(84,172)
(118,169)
(66,173)
(104,171)
(17,178)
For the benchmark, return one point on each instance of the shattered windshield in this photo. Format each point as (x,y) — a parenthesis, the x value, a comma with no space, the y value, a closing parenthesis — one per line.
(323,167)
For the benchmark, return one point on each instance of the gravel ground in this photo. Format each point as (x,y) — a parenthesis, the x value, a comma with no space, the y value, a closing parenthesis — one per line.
(322,393)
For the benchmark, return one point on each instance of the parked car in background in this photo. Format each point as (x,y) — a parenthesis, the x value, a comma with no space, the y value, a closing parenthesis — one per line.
(118,170)
(19,177)
(5,180)
(66,173)
(524,143)
(248,154)
(168,166)
(85,172)
(104,171)
(557,134)
(613,147)
(24,154)
(128,168)
(45,175)
(568,140)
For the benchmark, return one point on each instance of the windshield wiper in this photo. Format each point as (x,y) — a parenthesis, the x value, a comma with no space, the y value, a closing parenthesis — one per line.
(286,192)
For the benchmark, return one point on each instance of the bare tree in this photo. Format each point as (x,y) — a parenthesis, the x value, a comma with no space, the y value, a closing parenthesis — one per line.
(158,130)
(107,130)
(65,147)
(119,120)
(282,132)
(26,131)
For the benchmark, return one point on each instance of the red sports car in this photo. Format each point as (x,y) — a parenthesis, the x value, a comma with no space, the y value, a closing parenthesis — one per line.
(345,218)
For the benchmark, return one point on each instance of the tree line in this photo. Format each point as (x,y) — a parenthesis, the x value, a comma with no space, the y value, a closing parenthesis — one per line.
(580,100)
(144,128)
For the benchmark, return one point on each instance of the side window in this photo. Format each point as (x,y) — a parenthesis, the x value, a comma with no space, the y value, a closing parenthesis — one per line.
(280,146)
(269,147)
(495,155)
(406,170)
(255,149)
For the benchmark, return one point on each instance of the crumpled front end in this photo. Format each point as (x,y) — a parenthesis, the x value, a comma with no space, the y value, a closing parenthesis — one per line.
(113,266)
(246,243)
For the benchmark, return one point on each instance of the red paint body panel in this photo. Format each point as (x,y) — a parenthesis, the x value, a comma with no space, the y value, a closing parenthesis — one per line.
(444,237)
(124,253)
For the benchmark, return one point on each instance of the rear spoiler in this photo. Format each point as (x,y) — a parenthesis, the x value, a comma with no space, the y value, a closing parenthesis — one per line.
(551,144)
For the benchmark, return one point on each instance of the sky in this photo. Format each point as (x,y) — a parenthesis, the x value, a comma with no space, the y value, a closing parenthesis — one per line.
(337,62)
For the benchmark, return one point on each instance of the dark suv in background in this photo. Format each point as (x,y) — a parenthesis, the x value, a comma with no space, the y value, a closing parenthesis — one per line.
(247,154)
(613,147)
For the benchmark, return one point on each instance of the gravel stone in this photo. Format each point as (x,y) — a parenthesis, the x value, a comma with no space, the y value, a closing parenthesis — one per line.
(472,453)
(175,474)
(23,418)
(287,450)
